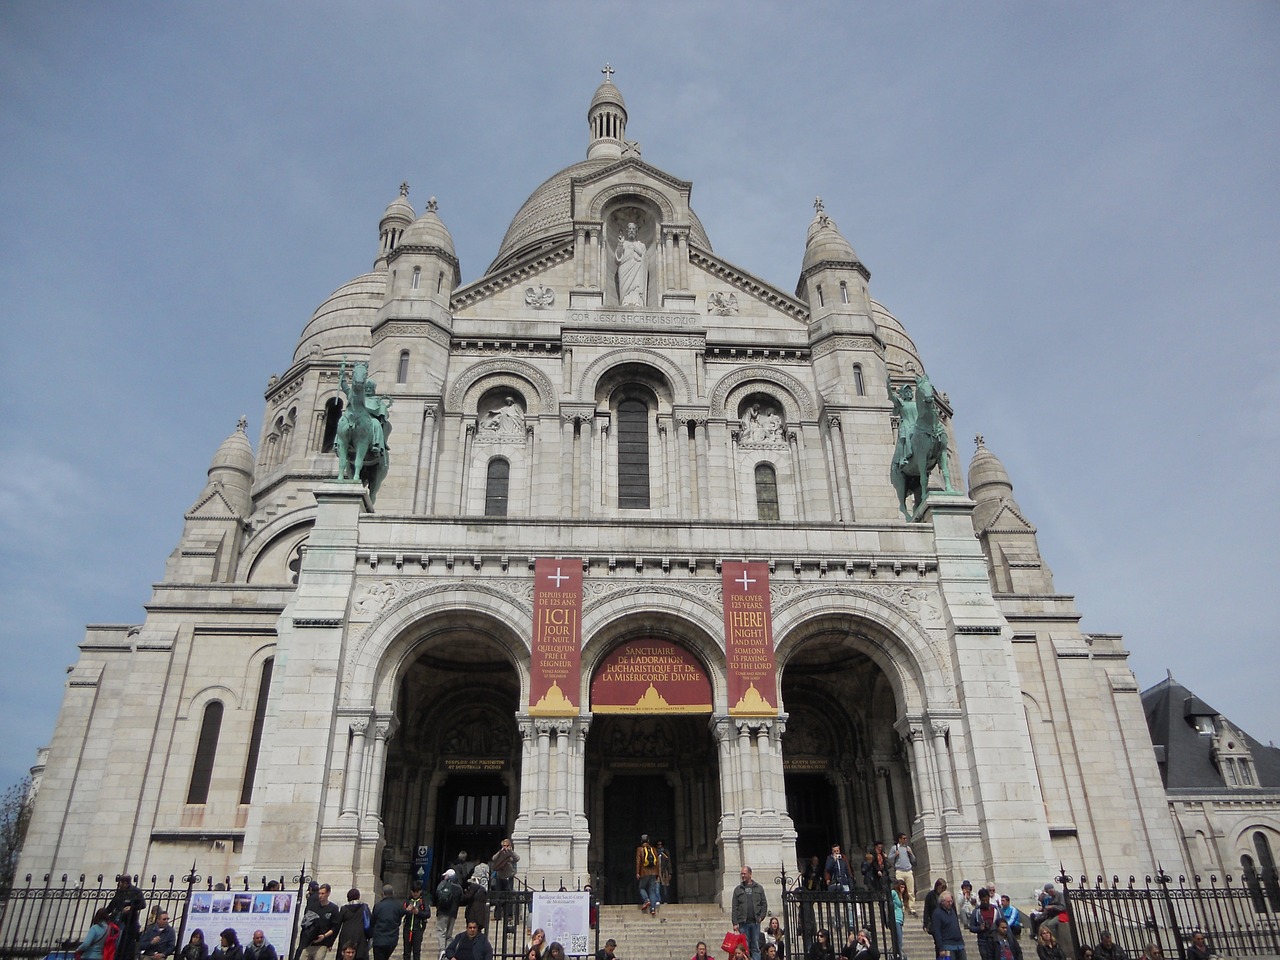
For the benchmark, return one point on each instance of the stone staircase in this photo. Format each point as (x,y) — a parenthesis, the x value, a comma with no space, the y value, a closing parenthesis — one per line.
(671,935)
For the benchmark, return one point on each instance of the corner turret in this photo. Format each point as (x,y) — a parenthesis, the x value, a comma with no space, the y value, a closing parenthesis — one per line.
(1008,538)
(213,528)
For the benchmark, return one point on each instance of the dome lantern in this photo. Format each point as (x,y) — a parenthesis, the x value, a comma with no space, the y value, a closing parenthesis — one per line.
(607,117)
(398,215)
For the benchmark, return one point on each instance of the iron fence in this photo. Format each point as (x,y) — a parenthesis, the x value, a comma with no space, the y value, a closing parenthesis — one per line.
(839,913)
(52,914)
(1166,913)
(511,929)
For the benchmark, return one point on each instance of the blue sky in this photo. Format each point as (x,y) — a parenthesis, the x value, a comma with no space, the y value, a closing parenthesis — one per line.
(1071,207)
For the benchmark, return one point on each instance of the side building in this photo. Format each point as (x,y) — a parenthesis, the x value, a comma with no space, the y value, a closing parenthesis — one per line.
(328,677)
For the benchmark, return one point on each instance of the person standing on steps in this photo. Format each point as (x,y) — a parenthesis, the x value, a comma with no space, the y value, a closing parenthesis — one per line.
(903,860)
(647,875)
(750,907)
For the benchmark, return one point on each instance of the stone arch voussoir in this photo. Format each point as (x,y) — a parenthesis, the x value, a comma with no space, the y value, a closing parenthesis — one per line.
(791,393)
(591,376)
(476,379)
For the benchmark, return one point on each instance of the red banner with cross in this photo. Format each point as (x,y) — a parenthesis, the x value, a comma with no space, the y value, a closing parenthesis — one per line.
(748,640)
(555,667)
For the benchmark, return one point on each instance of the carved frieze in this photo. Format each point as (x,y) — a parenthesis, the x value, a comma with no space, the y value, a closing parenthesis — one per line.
(539,296)
(722,303)
(691,342)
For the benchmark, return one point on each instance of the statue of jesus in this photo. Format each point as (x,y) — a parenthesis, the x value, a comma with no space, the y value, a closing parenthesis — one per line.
(633,272)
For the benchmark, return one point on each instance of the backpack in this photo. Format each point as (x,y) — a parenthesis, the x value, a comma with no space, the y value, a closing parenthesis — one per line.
(111,941)
(368,920)
(648,859)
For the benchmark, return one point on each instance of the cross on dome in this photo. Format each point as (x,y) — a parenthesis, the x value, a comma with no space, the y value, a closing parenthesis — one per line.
(608,72)
(404,188)
(817,205)
(979,441)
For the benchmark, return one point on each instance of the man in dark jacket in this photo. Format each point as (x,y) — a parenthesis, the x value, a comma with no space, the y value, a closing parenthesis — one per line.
(471,945)
(320,925)
(416,914)
(476,901)
(946,927)
(259,949)
(448,896)
(159,940)
(126,908)
(983,922)
(1108,949)
(384,924)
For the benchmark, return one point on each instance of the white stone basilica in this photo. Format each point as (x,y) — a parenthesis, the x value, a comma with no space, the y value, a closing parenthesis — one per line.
(343,681)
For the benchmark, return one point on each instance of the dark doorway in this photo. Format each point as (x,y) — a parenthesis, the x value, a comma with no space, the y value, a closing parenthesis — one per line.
(634,805)
(473,813)
(811,801)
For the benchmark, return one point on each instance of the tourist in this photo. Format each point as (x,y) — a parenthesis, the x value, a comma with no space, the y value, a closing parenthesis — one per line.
(897,894)
(475,900)
(260,948)
(353,921)
(607,951)
(320,923)
(1199,949)
(1108,949)
(859,947)
(448,897)
(749,907)
(931,902)
(1086,952)
(773,934)
(966,904)
(384,924)
(416,913)
(126,906)
(472,944)
(945,927)
(1047,946)
(903,861)
(159,940)
(769,951)
(700,951)
(196,948)
(91,947)
(1011,914)
(821,948)
(665,873)
(647,875)
(983,922)
(228,947)
(555,951)
(1153,952)
(1005,945)
(539,942)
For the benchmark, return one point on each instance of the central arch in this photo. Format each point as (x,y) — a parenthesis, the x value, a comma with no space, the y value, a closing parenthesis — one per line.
(652,767)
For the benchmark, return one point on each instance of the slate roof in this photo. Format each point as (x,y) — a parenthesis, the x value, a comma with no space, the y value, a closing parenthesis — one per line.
(1184,755)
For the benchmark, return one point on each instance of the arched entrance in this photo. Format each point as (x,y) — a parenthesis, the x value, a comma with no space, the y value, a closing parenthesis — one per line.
(453,768)
(845,767)
(652,768)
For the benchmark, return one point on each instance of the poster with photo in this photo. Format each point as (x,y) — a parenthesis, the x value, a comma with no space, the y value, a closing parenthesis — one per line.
(244,911)
(565,917)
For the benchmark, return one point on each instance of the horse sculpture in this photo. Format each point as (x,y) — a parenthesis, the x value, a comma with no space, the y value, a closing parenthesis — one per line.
(361,438)
(922,445)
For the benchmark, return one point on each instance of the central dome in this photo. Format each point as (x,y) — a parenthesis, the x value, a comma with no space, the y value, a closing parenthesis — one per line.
(547,216)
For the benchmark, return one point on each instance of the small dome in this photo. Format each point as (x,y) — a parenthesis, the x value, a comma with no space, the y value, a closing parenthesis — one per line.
(824,243)
(900,349)
(342,323)
(400,208)
(607,93)
(988,479)
(428,231)
(235,452)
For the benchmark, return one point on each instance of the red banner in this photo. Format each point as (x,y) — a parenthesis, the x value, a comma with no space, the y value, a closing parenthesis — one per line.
(555,667)
(748,640)
(650,676)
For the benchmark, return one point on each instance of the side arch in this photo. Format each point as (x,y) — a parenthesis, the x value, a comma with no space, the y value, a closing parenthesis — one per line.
(797,399)
(463,395)
(378,659)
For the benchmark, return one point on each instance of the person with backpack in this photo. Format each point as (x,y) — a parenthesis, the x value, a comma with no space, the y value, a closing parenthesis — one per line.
(384,923)
(126,907)
(416,913)
(448,898)
(354,921)
(91,947)
(320,924)
(647,875)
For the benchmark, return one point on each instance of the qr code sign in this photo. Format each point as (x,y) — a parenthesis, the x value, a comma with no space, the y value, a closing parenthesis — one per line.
(578,944)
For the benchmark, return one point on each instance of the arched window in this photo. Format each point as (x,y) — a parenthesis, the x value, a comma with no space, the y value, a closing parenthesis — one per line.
(821,300)
(844,292)
(255,738)
(859,385)
(402,372)
(1249,875)
(633,455)
(202,769)
(440,282)
(417,277)
(332,414)
(1267,867)
(766,492)
(496,486)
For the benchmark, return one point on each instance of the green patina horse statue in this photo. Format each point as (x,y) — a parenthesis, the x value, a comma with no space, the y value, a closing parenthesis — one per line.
(361,437)
(922,445)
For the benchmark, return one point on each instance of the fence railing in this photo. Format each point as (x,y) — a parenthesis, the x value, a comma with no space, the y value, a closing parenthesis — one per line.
(1161,911)
(838,913)
(511,927)
(50,914)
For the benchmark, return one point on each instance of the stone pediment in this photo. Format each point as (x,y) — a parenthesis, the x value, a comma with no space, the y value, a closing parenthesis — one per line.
(212,505)
(1007,519)
(724,292)
(592,192)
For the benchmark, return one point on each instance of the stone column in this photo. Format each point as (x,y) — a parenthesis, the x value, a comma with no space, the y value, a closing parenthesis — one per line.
(578,783)
(580,267)
(920,768)
(765,748)
(797,474)
(683,459)
(528,774)
(746,768)
(841,457)
(882,802)
(704,466)
(355,770)
(722,730)
(544,760)
(586,468)
(566,462)
(946,779)
(605,458)
(464,487)
(426,454)
(383,732)
(562,731)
